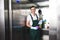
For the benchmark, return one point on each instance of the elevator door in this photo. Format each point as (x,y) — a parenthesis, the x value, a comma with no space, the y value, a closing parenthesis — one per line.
(2,21)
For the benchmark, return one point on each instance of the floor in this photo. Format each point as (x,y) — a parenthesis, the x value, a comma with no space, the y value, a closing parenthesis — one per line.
(45,37)
(22,34)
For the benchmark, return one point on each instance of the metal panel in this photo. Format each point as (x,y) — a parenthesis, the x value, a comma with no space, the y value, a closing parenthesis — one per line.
(53,20)
(58,12)
(2,22)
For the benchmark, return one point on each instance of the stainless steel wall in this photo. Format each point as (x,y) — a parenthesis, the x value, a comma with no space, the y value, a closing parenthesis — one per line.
(2,21)
(55,20)
(58,12)
(19,18)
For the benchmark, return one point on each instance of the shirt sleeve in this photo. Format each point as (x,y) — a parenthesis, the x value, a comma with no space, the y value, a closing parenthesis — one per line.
(28,18)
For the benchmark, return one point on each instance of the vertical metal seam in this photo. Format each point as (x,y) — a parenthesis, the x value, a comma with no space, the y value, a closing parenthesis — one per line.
(10,17)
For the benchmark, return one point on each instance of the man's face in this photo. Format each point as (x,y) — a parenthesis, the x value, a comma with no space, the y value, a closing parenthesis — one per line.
(33,9)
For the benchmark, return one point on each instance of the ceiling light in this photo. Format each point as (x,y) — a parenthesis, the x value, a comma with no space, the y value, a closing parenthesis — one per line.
(43,3)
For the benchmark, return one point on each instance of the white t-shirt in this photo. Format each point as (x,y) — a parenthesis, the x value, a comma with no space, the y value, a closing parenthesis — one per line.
(40,22)
(30,19)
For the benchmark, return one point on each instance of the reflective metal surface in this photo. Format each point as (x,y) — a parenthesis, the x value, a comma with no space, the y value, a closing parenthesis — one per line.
(58,12)
(10,18)
(54,33)
(2,21)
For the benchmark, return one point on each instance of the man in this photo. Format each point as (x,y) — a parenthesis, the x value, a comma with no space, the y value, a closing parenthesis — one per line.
(40,17)
(32,23)
(41,24)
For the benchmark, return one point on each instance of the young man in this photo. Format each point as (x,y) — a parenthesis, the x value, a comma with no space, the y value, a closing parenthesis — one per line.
(40,18)
(32,23)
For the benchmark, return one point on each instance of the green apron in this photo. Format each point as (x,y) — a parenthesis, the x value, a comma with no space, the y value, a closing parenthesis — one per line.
(34,34)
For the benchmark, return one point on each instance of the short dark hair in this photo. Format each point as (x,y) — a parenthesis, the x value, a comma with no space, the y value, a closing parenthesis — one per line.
(32,7)
(39,11)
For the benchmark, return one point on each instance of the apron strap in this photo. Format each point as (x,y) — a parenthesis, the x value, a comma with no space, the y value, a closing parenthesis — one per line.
(32,17)
(37,16)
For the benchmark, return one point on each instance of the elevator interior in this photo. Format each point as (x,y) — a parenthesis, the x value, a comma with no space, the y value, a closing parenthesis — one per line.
(6,32)
(20,10)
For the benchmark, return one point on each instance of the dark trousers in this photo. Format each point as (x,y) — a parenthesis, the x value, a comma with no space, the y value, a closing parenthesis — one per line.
(34,34)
